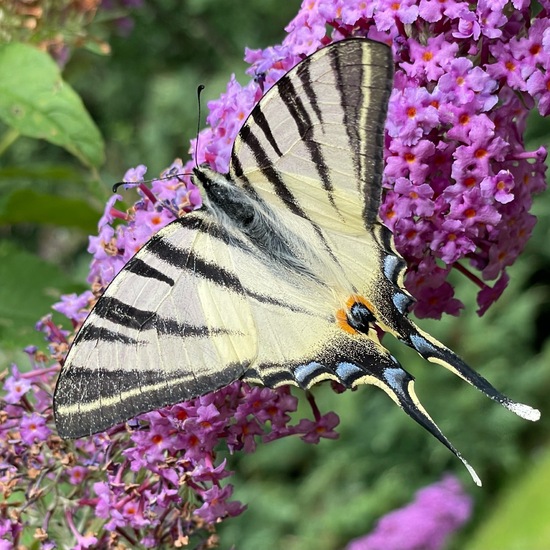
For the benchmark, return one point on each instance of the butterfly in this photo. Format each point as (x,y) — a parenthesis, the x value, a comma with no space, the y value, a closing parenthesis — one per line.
(285,275)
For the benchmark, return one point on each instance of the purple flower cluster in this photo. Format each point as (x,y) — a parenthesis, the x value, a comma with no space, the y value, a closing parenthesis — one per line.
(426,523)
(158,481)
(459,183)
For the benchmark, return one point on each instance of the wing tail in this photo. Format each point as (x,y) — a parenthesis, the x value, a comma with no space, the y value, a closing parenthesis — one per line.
(435,352)
(392,317)
(357,359)
(399,385)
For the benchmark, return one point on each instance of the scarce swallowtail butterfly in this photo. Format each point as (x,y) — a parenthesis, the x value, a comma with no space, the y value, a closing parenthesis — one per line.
(285,275)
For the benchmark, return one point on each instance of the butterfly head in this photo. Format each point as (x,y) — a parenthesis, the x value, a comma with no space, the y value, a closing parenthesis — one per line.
(223,198)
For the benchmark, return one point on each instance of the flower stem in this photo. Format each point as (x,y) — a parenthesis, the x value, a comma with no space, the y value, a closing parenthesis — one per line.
(314,407)
(476,280)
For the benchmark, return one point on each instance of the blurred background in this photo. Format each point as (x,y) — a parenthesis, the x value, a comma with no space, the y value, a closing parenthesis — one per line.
(142,97)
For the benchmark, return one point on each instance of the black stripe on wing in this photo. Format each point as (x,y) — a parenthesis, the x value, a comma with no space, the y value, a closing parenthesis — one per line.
(108,397)
(271,375)
(119,313)
(305,77)
(366,138)
(262,123)
(90,332)
(304,124)
(139,267)
(183,258)
(265,165)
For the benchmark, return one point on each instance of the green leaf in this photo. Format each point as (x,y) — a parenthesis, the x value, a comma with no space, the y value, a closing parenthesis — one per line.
(29,287)
(37,102)
(520,519)
(29,206)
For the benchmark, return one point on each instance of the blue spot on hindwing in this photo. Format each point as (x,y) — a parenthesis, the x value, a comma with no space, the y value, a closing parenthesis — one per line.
(401,302)
(390,265)
(422,345)
(347,370)
(396,379)
(303,372)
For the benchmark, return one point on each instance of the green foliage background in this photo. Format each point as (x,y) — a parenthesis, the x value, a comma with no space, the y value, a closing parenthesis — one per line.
(142,101)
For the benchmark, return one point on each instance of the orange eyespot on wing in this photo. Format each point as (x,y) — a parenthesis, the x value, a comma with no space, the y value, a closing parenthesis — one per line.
(350,319)
(342,320)
(357,298)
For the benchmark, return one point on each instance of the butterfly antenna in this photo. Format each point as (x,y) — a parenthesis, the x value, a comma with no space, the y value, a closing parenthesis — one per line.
(117,185)
(172,172)
(200,88)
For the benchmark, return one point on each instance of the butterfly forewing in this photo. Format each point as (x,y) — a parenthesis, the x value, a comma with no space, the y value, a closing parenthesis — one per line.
(159,333)
(323,143)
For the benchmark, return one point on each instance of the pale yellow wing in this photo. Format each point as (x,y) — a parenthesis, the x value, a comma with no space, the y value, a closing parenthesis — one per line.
(317,137)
